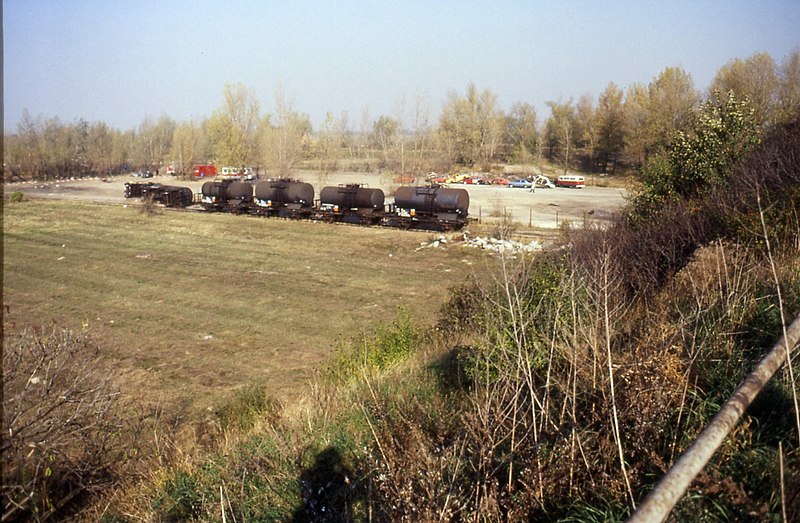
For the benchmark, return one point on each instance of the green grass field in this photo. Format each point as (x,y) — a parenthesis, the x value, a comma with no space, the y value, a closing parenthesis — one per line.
(186,306)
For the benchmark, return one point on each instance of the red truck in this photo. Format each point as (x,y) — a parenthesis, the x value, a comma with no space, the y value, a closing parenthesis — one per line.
(201,171)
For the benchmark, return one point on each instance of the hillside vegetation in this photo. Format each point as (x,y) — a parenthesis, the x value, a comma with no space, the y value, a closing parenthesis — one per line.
(558,387)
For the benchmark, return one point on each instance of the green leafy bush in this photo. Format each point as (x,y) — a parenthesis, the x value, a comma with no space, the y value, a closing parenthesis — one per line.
(723,131)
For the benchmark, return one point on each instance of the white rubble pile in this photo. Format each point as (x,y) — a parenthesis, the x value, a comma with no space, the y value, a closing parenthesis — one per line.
(439,242)
(489,244)
(504,246)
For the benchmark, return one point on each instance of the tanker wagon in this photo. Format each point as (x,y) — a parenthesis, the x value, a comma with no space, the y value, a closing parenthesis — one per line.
(432,207)
(285,198)
(214,195)
(351,203)
(239,197)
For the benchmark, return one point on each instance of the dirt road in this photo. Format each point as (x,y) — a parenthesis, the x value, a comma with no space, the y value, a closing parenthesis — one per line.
(545,208)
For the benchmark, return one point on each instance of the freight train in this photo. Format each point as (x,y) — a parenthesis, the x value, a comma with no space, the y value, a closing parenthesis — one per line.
(428,207)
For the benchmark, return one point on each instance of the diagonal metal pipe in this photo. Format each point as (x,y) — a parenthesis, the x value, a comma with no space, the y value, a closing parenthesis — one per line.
(658,504)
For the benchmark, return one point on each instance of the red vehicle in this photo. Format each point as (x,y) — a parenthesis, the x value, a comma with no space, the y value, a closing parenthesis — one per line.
(201,171)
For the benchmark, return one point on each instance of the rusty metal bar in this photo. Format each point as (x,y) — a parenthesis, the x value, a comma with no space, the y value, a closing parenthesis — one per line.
(658,504)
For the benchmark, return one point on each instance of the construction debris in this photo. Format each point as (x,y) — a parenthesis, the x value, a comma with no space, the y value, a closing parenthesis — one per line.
(485,243)
(441,241)
(502,246)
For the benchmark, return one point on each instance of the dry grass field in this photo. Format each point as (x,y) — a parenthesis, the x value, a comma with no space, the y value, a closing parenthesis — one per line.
(187,306)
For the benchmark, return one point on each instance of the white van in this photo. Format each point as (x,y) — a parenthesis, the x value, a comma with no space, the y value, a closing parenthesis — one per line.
(577,182)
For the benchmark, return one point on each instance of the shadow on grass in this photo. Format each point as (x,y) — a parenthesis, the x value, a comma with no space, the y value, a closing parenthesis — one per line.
(327,489)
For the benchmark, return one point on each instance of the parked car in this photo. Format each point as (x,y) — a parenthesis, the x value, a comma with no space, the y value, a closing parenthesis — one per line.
(521,184)
(142,174)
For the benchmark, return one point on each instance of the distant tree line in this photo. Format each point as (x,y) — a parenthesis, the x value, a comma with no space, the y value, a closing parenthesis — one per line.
(621,129)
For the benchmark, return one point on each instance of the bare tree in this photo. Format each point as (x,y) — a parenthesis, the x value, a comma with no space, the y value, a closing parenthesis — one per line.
(327,145)
(471,127)
(522,132)
(586,127)
(790,86)
(153,141)
(345,133)
(560,132)
(672,98)
(99,147)
(233,128)
(365,129)
(610,127)
(755,78)
(284,136)
(422,134)
(385,137)
(189,145)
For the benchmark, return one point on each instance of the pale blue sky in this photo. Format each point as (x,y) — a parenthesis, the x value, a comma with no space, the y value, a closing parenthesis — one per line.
(121,60)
